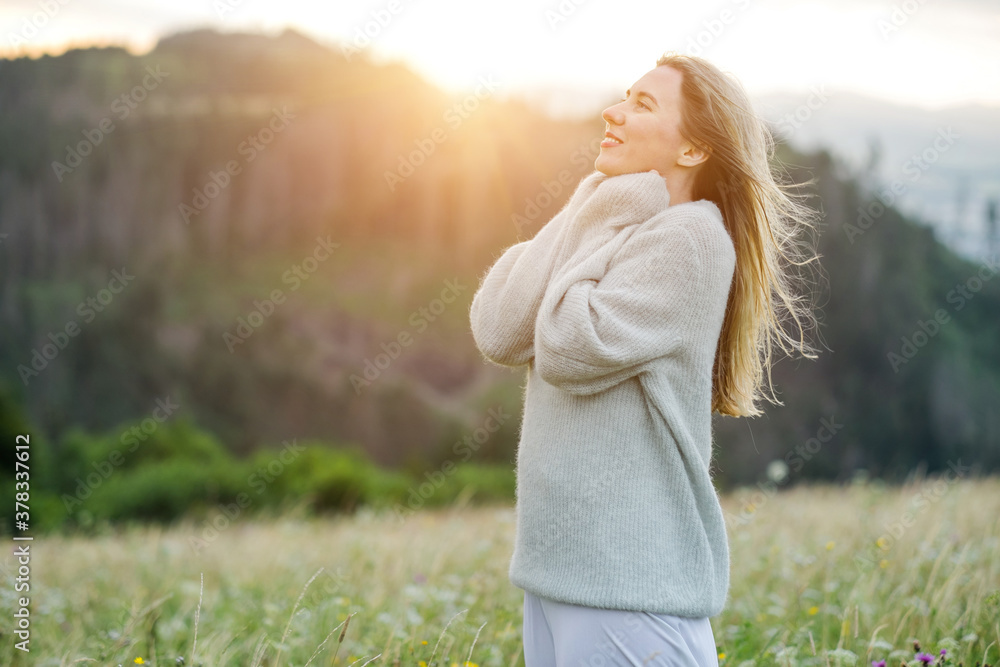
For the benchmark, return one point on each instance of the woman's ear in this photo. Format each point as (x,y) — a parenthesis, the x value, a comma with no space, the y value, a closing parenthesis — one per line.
(692,156)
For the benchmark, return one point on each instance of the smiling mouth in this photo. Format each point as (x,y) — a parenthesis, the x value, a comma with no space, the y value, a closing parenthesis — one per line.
(611,140)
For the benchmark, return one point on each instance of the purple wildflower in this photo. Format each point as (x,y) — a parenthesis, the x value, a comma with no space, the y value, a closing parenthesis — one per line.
(878,663)
(925,658)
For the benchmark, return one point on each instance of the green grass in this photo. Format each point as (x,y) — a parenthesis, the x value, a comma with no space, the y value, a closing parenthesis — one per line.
(435,586)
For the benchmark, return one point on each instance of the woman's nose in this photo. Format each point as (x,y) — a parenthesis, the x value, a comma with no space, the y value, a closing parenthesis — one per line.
(612,115)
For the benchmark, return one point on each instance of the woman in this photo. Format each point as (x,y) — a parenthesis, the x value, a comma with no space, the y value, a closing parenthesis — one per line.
(651,300)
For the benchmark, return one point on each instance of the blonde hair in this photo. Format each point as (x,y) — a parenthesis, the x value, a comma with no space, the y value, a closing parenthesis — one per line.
(766,222)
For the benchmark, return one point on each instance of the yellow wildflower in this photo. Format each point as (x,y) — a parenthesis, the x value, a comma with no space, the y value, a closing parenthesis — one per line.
(813,611)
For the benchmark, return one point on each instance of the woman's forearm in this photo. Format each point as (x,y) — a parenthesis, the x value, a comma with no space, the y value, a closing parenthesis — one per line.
(506,304)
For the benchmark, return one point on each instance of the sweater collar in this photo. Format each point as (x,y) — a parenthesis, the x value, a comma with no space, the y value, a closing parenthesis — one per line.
(625,199)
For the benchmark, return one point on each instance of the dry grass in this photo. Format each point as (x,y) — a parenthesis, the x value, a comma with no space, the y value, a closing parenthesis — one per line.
(435,588)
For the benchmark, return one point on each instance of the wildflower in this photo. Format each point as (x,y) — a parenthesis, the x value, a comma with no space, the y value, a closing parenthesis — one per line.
(424,642)
(883,563)
(813,611)
(925,658)
(140,661)
(722,656)
(829,545)
(878,663)
(944,652)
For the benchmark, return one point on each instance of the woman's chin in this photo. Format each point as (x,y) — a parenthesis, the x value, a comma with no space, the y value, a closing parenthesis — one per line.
(608,167)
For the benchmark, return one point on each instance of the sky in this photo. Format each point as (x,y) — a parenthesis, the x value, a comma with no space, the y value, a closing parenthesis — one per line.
(926,53)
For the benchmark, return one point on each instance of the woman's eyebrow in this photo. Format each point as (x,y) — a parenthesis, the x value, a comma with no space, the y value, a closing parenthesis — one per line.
(642,93)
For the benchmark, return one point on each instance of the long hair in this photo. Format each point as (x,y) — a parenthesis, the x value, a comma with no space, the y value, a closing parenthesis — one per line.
(767,222)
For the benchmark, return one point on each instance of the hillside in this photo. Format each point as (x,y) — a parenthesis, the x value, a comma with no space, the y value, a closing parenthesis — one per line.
(280,217)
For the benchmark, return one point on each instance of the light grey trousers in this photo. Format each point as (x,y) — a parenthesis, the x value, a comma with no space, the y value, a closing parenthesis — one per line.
(557,634)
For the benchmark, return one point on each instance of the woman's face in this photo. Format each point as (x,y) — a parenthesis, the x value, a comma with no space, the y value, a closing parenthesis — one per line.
(643,129)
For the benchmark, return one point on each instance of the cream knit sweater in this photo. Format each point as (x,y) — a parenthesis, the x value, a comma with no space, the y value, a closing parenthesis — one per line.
(616,306)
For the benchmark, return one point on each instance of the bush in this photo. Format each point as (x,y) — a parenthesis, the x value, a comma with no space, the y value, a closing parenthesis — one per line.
(175,469)
(162,492)
(135,444)
(486,482)
(330,479)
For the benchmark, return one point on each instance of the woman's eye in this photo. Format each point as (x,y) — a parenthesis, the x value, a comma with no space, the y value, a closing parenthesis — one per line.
(641,104)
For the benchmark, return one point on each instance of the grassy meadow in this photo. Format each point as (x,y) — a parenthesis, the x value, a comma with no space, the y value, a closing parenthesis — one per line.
(821,575)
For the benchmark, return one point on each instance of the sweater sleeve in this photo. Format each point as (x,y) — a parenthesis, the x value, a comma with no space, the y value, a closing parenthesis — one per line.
(505,306)
(608,317)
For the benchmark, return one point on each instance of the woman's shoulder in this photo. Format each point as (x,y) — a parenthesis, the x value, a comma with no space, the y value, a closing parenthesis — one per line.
(701,219)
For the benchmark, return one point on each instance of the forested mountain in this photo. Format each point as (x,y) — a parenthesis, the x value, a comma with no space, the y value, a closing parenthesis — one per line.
(254,228)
